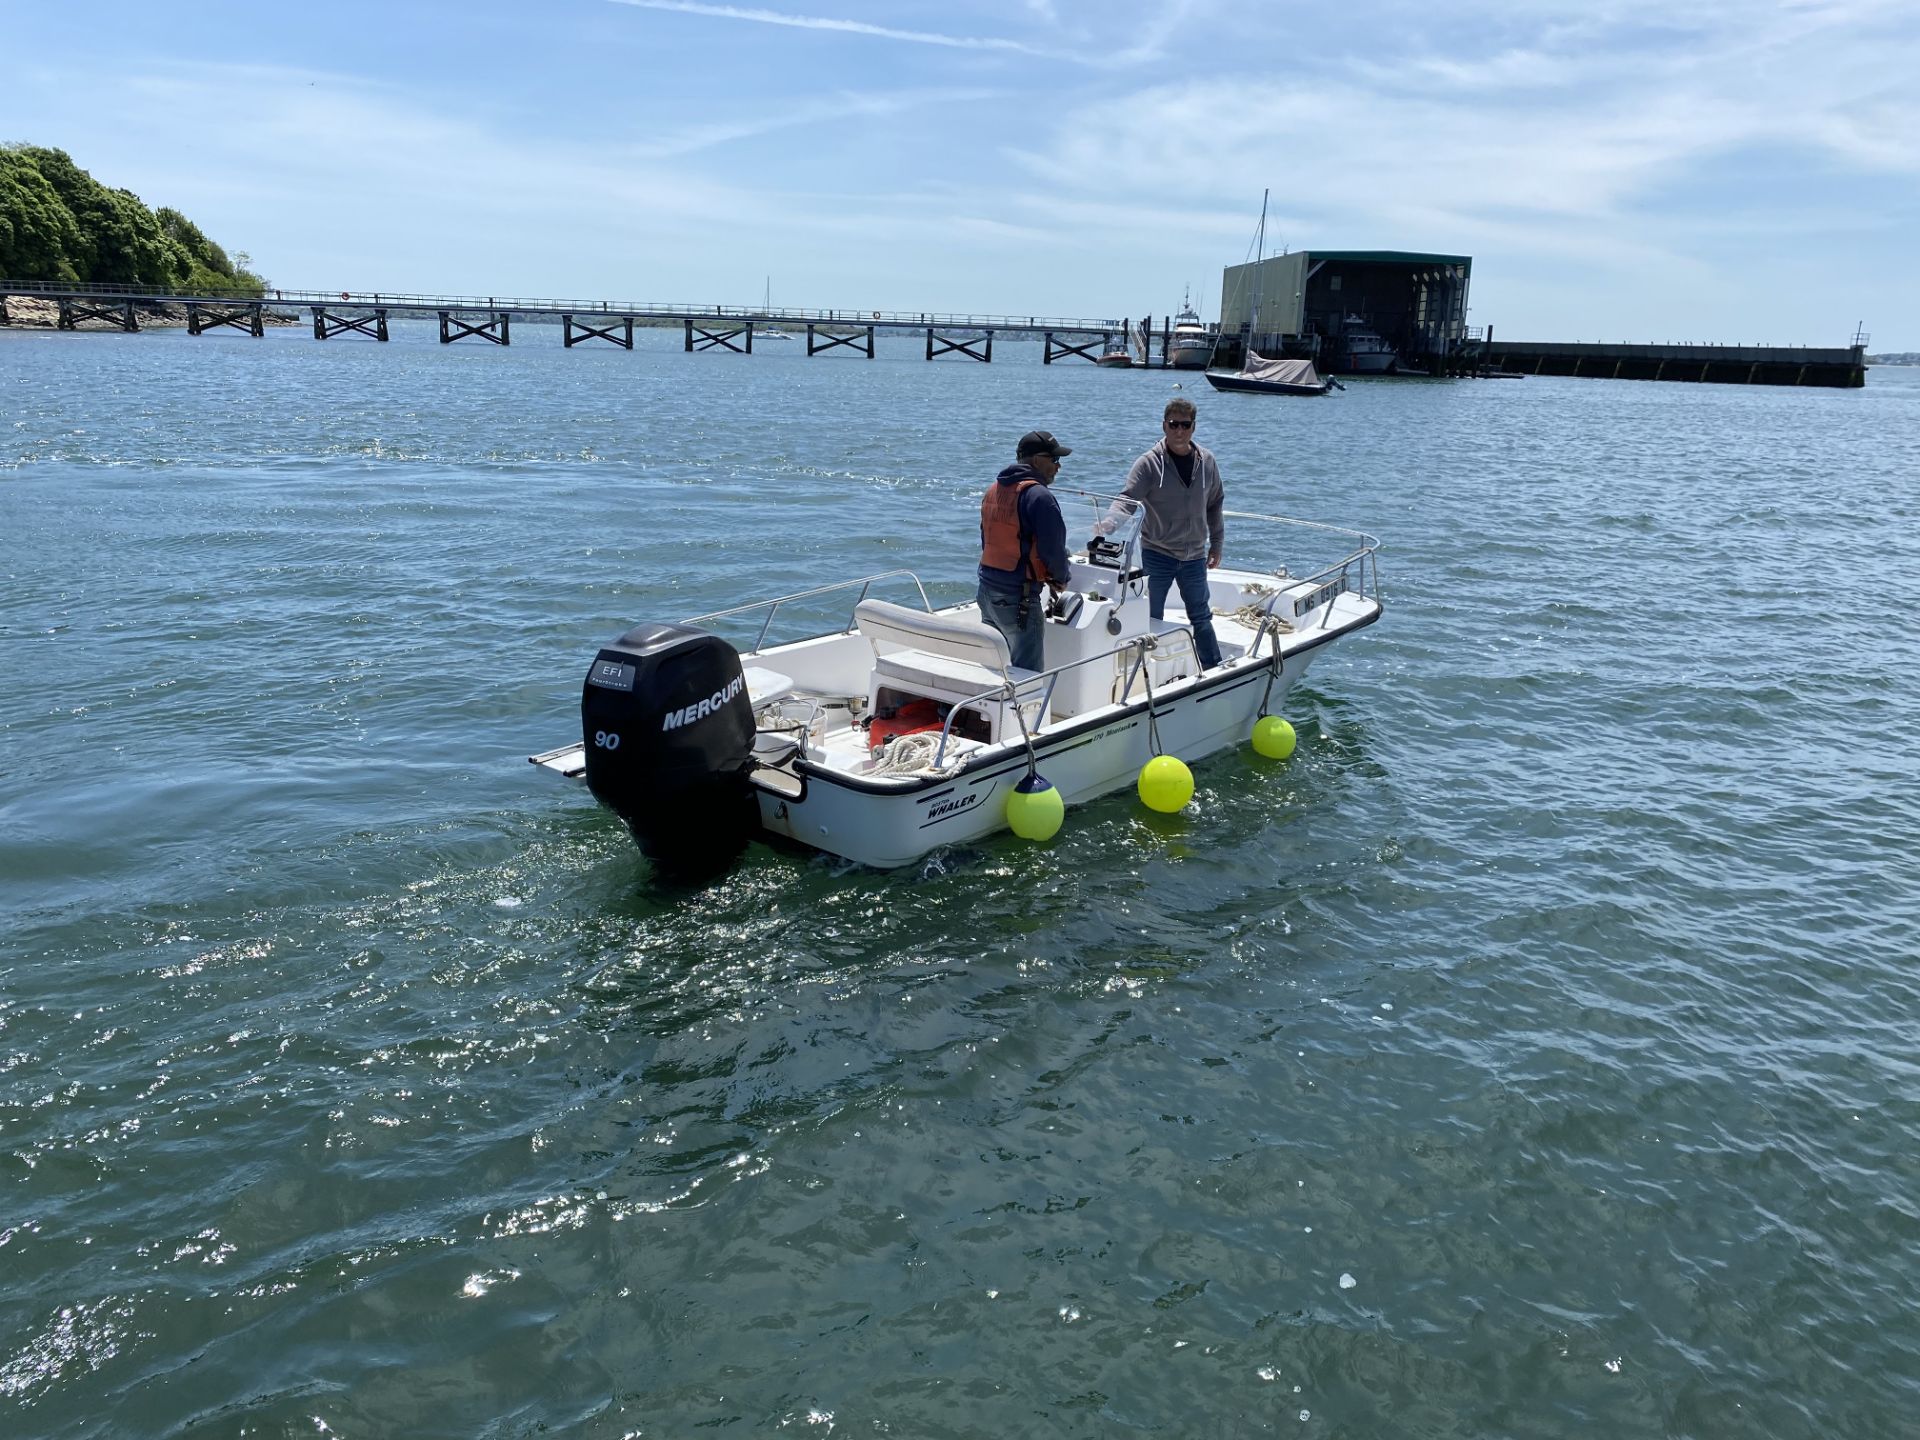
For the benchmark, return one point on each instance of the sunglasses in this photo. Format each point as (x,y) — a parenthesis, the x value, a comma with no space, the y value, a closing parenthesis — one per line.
(1179,424)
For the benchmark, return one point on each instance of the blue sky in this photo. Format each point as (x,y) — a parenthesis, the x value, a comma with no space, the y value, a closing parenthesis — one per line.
(1731,170)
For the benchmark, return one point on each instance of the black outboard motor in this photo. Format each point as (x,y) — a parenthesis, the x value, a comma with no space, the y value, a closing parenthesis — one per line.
(669,731)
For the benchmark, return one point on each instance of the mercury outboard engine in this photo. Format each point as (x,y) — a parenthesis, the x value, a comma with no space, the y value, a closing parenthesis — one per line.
(668,730)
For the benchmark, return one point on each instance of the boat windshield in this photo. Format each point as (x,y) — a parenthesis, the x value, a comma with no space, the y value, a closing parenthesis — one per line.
(1127,518)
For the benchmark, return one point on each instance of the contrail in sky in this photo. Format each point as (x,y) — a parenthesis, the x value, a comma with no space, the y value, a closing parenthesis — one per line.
(821,22)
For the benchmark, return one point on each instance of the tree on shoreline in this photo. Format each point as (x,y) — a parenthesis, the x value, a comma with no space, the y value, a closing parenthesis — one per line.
(57,223)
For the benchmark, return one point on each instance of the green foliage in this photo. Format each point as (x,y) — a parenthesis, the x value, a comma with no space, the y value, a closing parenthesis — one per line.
(38,234)
(58,223)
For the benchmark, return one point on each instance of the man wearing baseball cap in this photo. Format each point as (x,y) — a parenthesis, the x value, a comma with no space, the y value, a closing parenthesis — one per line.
(1023,545)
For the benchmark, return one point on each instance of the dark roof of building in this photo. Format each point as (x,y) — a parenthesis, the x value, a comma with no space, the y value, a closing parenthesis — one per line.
(1392,257)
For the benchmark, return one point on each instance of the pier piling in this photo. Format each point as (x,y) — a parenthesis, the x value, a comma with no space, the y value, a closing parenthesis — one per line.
(326,324)
(827,340)
(721,339)
(496,327)
(75,308)
(974,348)
(202,317)
(601,332)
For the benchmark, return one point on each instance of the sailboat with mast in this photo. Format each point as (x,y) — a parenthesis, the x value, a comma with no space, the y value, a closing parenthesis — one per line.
(1259,375)
(772,332)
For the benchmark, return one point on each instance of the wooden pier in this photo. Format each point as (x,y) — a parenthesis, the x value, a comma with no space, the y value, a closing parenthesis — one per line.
(337,314)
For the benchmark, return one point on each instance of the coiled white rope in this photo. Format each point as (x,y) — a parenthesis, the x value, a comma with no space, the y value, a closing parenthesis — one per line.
(911,755)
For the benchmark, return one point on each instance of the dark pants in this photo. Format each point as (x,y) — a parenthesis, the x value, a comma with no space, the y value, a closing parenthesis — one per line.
(1001,609)
(1163,573)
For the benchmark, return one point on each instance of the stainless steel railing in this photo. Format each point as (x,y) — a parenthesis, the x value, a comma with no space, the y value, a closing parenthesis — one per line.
(772,606)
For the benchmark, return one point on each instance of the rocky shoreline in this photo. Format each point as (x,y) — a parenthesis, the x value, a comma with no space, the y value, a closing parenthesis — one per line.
(26,312)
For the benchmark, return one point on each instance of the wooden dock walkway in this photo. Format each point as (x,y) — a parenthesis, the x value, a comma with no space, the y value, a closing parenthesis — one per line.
(490,318)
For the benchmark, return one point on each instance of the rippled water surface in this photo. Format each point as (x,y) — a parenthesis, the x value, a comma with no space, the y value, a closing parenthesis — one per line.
(1533,1054)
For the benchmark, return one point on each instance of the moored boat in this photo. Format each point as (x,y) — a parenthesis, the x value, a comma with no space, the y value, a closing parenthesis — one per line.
(899,728)
(1261,376)
(1189,346)
(1364,351)
(771,331)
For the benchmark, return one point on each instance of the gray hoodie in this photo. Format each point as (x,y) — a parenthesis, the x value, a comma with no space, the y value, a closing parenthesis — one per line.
(1183,521)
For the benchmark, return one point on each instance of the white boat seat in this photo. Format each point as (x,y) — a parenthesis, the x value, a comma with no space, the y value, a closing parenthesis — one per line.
(948,658)
(889,627)
(940,676)
(766,686)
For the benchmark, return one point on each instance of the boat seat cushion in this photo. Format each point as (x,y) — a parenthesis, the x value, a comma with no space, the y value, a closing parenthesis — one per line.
(890,627)
(941,677)
(950,658)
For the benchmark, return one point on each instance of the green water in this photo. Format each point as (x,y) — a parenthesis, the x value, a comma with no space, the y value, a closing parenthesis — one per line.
(1532,1054)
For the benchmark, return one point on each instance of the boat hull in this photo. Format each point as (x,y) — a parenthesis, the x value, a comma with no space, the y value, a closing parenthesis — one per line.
(1190,357)
(886,827)
(1262,387)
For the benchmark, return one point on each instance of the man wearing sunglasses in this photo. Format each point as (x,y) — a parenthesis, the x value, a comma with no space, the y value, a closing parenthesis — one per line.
(1184,532)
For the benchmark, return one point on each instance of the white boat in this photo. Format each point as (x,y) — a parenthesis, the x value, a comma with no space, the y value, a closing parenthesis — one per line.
(1366,352)
(899,728)
(770,331)
(1189,346)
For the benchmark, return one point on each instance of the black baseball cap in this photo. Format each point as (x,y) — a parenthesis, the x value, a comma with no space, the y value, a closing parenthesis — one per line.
(1040,442)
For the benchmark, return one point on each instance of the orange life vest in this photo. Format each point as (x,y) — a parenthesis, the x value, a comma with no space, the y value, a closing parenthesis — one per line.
(1003,546)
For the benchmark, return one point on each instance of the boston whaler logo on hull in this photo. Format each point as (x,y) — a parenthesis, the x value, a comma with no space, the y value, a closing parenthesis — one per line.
(674,719)
(951,807)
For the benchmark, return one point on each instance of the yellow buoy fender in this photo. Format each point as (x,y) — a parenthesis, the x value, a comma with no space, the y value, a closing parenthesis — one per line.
(1166,784)
(1273,737)
(1034,809)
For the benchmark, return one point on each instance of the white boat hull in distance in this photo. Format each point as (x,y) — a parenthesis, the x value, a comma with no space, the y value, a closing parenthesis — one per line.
(1366,353)
(1190,352)
(903,728)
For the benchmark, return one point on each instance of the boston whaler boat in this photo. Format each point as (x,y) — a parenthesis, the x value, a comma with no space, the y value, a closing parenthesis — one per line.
(904,728)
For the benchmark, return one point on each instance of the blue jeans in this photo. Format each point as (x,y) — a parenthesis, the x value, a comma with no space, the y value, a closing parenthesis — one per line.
(1001,609)
(1163,573)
